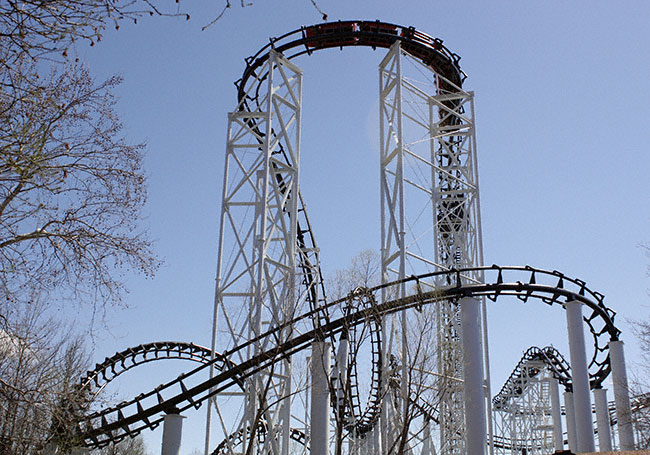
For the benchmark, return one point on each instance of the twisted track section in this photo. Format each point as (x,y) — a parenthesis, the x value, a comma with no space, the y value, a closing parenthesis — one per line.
(237,439)
(551,287)
(358,419)
(555,361)
(516,382)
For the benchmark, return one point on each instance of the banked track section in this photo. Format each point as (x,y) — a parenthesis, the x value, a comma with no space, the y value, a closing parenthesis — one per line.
(517,382)
(129,418)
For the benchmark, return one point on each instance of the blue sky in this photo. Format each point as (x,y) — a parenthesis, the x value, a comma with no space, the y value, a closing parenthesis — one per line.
(562,111)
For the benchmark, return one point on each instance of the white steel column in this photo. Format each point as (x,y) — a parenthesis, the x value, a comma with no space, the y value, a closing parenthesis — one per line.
(393,248)
(602,421)
(457,238)
(320,398)
(621,396)
(580,378)
(172,432)
(257,255)
(473,377)
(570,421)
(556,411)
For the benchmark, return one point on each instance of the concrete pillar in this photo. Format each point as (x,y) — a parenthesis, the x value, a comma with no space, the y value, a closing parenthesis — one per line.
(570,421)
(621,396)
(556,415)
(172,432)
(580,378)
(320,398)
(602,421)
(473,376)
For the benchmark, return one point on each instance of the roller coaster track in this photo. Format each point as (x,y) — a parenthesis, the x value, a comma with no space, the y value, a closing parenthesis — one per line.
(307,40)
(342,34)
(516,382)
(95,380)
(356,419)
(238,437)
(558,366)
(551,287)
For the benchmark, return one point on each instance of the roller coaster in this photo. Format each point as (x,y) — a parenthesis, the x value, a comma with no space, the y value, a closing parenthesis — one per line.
(287,363)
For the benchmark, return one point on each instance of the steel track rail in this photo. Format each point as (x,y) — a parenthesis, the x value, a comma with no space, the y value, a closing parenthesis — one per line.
(374,34)
(361,420)
(551,287)
(95,380)
(515,384)
(238,437)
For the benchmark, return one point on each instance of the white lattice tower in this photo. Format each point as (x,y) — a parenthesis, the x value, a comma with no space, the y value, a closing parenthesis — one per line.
(525,419)
(257,258)
(430,220)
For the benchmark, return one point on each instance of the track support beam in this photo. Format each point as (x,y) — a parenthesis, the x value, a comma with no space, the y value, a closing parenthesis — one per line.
(320,398)
(602,421)
(621,396)
(475,437)
(172,434)
(580,376)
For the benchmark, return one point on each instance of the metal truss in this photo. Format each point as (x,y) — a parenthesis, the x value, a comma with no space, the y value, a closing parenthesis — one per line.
(430,217)
(256,279)
(523,418)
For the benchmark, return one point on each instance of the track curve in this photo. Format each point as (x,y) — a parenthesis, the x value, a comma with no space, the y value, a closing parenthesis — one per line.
(550,356)
(373,34)
(551,287)
(95,380)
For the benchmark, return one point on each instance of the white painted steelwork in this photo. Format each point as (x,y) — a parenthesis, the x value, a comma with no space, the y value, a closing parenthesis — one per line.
(556,415)
(430,220)
(602,421)
(570,421)
(256,279)
(524,417)
(475,418)
(320,398)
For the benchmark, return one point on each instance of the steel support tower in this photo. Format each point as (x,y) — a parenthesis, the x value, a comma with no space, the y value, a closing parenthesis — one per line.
(267,272)
(256,278)
(430,221)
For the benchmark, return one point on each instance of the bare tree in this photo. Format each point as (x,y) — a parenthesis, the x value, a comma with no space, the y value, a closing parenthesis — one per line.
(39,365)
(411,394)
(128,446)
(71,190)
(49,28)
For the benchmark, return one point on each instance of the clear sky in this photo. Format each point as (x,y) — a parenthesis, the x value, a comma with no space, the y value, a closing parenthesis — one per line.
(562,111)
